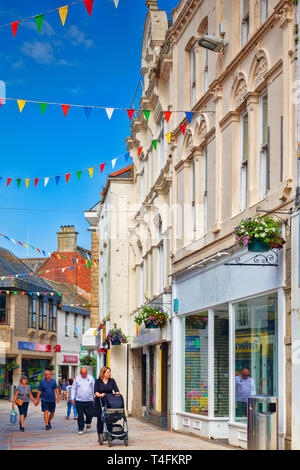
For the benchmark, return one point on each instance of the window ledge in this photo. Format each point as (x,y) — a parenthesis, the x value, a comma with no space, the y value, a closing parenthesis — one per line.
(31,331)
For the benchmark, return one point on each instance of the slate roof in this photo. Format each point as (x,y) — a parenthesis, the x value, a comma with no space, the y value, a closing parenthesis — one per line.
(68,298)
(10,265)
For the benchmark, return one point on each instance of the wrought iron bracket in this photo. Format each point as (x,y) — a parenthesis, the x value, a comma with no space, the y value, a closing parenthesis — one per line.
(269,259)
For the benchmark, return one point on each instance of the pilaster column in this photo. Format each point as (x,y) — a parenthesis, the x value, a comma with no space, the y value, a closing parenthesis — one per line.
(253,160)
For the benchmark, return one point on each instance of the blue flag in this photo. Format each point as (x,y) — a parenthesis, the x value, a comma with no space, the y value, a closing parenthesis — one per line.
(57,178)
(87,111)
(189,116)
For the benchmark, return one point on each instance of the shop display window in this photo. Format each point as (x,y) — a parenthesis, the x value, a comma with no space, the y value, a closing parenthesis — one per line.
(196,364)
(221,363)
(256,351)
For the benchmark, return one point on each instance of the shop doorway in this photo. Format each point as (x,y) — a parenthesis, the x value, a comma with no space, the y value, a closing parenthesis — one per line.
(159,385)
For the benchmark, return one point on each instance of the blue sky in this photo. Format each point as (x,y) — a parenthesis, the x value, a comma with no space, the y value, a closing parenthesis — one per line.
(91,61)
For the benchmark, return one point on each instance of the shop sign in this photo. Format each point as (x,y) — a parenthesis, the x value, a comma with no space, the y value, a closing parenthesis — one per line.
(248,344)
(192,343)
(34,346)
(70,359)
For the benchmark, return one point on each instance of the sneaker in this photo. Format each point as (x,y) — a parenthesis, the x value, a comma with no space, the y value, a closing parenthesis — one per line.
(75,419)
(88,428)
(66,417)
(47,427)
(80,432)
(22,429)
(49,424)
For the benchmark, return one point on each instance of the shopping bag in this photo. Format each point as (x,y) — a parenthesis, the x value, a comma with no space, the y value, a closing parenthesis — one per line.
(13,417)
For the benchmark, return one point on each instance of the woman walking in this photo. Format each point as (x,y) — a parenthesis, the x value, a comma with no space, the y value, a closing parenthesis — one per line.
(105,384)
(21,399)
(63,389)
(69,401)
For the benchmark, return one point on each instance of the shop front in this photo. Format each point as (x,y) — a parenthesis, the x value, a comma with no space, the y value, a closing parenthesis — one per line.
(68,366)
(228,345)
(34,358)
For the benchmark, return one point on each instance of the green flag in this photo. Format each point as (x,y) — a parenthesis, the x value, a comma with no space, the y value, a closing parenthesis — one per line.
(154,143)
(43,107)
(39,21)
(147,114)
(19,182)
(79,174)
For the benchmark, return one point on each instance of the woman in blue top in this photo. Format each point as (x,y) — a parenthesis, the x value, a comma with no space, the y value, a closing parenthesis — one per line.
(63,389)
(23,392)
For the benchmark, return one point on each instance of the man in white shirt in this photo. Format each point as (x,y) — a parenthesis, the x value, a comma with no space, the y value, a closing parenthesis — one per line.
(82,395)
(244,388)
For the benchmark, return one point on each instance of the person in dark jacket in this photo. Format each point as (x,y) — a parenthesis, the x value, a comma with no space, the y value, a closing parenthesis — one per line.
(105,384)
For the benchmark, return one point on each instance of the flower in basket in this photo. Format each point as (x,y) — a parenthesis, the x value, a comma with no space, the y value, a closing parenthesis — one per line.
(88,361)
(265,229)
(12,365)
(152,314)
(198,321)
(116,336)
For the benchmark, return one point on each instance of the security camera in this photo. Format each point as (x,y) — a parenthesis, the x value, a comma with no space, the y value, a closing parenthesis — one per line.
(212,43)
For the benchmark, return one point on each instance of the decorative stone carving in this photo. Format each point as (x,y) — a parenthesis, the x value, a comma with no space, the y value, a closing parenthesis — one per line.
(202,130)
(240,93)
(260,71)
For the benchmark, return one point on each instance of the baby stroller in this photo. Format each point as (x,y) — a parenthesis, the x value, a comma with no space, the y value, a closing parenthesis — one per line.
(112,411)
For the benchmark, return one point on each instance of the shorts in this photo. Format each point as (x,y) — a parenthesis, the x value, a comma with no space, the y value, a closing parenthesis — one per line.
(48,406)
(23,409)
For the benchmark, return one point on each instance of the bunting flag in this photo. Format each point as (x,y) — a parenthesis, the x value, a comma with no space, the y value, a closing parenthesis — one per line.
(116,2)
(130,113)
(43,107)
(18,182)
(147,114)
(36,180)
(65,108)
(109,112)
(8,181)
(63,11)
(1,101)
(126,157)
(167,114)
(14,27)
(91,172)
(183,128)
(87,111)
(21,104)
(140,151)
(39,20)
(27,182)
(67,177)
(154,143)
(168,136)
(89,5)
(57,178)
(189,116)
(113,162)
(79,174)
(46,181)
(102,166)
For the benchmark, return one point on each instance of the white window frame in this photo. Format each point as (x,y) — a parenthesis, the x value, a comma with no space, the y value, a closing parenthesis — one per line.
(263,150)
(193,76)
(204,215)
(205,67)
(243,164)
(66,324)
(264,11)
(245,21)
(160,264)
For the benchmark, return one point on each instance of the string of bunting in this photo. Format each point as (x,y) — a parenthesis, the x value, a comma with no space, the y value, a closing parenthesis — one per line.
(54,255)
(46,294)
(17,276)
(63,12)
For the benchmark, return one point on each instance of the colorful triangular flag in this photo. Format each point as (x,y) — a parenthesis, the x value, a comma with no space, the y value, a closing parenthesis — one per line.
(154,143)
(89,5)
(102,166)
(18,182)
(63,11)
(91,171)
(21,104)
(167,114)
(140,151)
(68,177)
(189,116)
(14,27)
(8,181)
(79,174)
(87,111)
(1,101)
(116,2)
(147,114)
(39,21)
(168,136)
(57,178)
(36,180)
(183,128)
(113,162)
(109,112)
(46,181)
(43,107)
(27,182)
(65,108)
(126,156)
(130,113)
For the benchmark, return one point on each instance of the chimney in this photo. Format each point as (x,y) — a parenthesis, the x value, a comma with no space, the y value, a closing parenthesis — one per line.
(67,239)
(152,5)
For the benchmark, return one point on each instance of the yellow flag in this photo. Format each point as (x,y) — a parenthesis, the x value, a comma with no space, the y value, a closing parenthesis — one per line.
(58,257)
(26,245)
(21,104)
(168,136)
(27,182)
(63,11)
(91,171)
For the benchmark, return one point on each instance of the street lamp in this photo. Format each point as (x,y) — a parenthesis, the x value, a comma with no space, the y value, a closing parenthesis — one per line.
(212,43)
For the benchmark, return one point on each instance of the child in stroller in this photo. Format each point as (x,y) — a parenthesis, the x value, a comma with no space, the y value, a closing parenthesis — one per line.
(112,411)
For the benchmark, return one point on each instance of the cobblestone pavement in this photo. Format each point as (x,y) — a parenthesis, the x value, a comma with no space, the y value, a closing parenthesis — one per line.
(63,435)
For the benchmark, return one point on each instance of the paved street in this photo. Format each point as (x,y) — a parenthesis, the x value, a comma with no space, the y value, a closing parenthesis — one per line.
(64,435)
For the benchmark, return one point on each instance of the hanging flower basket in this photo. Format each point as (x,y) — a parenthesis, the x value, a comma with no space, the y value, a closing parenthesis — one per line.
(198,321)
(116,337)
(12,366)
(259,234)
(88,361)
(153,316)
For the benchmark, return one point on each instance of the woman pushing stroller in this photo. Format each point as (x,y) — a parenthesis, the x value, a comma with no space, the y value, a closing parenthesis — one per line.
(104,385)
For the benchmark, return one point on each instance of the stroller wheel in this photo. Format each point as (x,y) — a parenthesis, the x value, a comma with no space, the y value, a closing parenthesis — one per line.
(109,442)
(126,441)
(100,439)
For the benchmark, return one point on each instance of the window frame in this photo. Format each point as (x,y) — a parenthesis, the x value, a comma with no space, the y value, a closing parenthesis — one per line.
(32,312)
(66,324)
(193,83)
(244,161)
(5,310)
(76,335)
(193,199)
(42,315)
(205,191)
(52,316)
(264,11)
(244,22)
(264,160)
(161,145)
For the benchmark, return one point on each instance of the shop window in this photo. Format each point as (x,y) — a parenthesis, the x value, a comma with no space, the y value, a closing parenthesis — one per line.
(256,350)
(221,363)
(244,161)
(52,316)
(155,378)
(3,310)
(245,21)
(196,364)
(42,315)
(32,308)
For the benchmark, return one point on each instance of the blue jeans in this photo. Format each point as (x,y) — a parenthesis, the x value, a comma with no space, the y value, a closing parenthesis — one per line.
(69,404)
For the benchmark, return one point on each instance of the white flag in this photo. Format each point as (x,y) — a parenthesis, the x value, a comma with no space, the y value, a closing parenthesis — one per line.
(14,241)
(109,112)
(116,2)
(46,181)
(113,162)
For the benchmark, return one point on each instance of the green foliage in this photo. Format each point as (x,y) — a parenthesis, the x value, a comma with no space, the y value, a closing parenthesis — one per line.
(266,229)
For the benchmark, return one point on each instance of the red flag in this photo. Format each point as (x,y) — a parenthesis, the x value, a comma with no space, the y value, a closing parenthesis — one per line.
(38,250)
(140,151)
(20,243)
(130,113)
(14,27)
(1,101)
(89,5)
(67,177)
(183,128)
(65,108)
(102,166)
(8,181)
(167,115)
(36,180)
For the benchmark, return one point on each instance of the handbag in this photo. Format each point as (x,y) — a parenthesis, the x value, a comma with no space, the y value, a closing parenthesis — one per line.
(20,402)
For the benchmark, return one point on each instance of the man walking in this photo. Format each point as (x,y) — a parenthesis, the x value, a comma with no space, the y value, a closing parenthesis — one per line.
(47,390)
(82,395)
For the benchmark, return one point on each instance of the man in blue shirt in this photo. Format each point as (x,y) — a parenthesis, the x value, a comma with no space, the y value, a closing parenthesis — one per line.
(47,390)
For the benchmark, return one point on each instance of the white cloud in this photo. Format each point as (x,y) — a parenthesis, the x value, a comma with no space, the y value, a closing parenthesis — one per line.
(78,38)
(40,52)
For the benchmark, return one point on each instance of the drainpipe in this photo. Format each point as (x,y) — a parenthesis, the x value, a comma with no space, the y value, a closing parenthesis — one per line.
(297,199)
